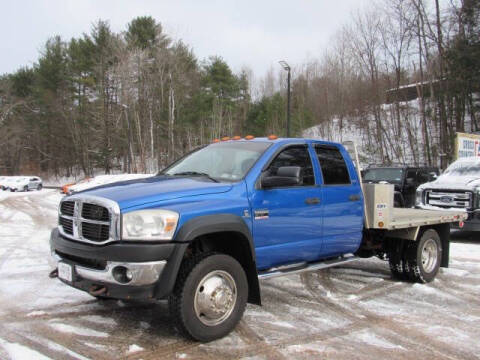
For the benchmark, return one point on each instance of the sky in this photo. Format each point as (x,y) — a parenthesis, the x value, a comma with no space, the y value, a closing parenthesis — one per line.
(249,33)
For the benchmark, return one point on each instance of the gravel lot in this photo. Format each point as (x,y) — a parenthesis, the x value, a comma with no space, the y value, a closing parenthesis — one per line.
(352,312)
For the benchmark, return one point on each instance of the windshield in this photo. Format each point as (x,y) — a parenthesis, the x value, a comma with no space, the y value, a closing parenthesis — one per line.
(225,161)
(392,176)
(464,169)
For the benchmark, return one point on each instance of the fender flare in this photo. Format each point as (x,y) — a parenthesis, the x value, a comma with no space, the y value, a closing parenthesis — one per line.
(204,225)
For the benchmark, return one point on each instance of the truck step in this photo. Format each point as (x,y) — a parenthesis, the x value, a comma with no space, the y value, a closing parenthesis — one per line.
(303,267)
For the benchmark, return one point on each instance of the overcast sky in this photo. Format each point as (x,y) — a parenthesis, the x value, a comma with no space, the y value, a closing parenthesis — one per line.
(256,33)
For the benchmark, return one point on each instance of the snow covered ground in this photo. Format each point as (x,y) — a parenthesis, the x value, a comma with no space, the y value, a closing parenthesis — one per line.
(355,311)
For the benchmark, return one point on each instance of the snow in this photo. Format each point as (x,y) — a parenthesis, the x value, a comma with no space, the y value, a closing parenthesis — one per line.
(17,351)
(367,337)
(354,311)
(77,330)
(134,349)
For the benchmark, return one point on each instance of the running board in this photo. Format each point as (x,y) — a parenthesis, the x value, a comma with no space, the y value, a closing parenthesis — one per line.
(303,267)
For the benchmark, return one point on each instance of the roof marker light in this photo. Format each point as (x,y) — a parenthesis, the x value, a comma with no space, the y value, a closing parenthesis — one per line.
(215,140)
(272,137)
(236,137)
(249,137)
(225,138)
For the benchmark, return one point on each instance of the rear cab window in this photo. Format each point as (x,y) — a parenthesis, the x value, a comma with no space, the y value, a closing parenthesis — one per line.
(332,165)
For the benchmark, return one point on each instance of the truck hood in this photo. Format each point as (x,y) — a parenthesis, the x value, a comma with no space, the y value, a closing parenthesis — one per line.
(156,189)
(449,182)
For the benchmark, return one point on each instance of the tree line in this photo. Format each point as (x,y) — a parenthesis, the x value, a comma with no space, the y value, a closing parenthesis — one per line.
(134,101)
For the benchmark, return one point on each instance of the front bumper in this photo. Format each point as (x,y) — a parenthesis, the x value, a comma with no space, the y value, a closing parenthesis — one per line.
(152,267)
(141,273)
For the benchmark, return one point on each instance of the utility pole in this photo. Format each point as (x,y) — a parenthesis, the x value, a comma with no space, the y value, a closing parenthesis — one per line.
(288,69)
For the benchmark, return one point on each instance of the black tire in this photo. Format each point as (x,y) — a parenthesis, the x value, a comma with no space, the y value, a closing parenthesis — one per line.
(25,188)
(181,303)
(396,260)
(420,268)
(39,187)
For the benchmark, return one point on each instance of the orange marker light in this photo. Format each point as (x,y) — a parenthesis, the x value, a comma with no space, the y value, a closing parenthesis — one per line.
(380,224)
(272,137)
(236,137)
(225,138)
(216,140)
(249,137)
(170,224)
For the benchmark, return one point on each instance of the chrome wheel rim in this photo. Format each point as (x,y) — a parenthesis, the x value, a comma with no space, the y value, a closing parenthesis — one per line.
(429,255)
(215,298)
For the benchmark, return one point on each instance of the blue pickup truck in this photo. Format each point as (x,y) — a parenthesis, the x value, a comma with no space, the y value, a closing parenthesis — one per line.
(203,231)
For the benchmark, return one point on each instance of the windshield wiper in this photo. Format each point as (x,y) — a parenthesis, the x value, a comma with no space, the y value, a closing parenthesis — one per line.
(195,173)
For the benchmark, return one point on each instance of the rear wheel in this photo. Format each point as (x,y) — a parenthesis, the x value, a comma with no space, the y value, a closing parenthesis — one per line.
(396,260)
(25,188)
(209,297)
(424,257)
(39,187)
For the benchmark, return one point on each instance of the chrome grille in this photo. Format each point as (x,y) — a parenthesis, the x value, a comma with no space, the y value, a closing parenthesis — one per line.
(67,225)
(95,232)
(95,212)
(449,199)
(89,219)
(67,208)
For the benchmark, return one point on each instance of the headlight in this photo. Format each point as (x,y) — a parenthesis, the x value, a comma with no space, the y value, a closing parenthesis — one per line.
(419,197)
(149,225)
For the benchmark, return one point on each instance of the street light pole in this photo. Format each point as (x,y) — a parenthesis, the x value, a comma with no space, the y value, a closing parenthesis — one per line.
(287,68)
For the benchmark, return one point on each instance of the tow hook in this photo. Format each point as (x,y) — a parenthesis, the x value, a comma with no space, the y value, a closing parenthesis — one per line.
(53,274)
(96,290)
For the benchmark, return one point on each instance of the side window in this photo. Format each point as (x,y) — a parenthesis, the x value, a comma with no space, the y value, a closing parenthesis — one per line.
(412,174)
(423,177)
(294,156)
(332,163)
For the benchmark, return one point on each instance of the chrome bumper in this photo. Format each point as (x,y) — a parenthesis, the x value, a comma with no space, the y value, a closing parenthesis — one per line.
(145,273)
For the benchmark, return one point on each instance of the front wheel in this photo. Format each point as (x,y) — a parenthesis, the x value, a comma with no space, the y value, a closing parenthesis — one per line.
(424,257)
(209,297)
(25,188)
(39,187)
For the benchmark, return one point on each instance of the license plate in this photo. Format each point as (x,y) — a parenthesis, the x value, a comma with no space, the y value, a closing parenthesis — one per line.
(65,271)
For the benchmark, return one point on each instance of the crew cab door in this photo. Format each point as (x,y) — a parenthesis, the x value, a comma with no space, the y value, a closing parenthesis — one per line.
(342,201)
(287,221)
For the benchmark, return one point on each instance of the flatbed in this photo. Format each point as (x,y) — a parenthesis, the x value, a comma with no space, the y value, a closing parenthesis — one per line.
(407,218)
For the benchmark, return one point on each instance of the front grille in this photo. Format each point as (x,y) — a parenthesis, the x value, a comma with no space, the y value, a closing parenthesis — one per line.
(67,208)
(67,225)
(95,212)
(88,219)
(449,198)
(95,232)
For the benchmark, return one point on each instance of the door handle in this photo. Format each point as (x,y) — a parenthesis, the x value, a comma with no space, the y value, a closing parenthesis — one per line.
(312,201)
(354,197)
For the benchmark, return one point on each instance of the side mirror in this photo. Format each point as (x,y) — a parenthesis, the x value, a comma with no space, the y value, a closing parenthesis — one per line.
(433,176)
(286,176)
(410,181)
